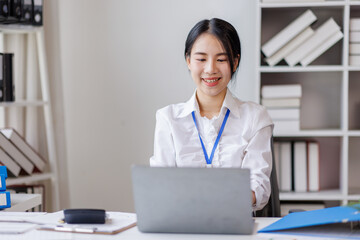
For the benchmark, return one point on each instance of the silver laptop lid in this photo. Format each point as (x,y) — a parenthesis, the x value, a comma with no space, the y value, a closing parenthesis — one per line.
(193,200)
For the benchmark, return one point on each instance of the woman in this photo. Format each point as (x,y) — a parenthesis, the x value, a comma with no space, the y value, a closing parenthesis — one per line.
(213,128)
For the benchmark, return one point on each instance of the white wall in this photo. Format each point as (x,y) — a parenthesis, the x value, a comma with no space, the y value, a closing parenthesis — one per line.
(120,61)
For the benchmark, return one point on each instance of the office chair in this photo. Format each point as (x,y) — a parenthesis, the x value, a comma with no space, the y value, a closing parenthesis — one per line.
(272,208)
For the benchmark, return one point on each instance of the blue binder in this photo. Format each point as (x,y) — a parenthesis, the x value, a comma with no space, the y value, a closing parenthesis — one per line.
(318,223)
(5,201)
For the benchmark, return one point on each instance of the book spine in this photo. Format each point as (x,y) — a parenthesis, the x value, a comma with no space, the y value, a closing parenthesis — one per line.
(300,167)
(288,33)
(8,84)
(11,165)
(322,48)
(354,60)
(286,126)
(355,24)
(321,34)
(354,48)
(284,114)
(354,37)
(281,91)
(289,47)
(314,164)
(285,167)
(280,102)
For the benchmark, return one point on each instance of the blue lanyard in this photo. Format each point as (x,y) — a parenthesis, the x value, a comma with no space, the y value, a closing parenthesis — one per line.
(209,161)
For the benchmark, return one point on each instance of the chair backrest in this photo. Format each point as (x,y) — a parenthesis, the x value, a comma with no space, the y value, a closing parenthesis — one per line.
(272,208)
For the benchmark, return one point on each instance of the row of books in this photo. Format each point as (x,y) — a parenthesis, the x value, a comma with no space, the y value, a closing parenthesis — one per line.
(5,201)
(17,155)
(299,43)
(298,165)
(6,77)
(283,105)
(354,38)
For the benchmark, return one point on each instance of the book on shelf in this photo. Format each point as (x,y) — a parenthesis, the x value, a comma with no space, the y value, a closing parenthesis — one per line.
(24,147)
(284,113)
(354,37)
(11,165)
(328,43)
(289,47)
(325,31)
(7,76)
(286,126)
(285,182)
(354,48)
(281,91)
(289,32)
(354,60)
(300,167)
(280,102)
(277,149)
(354,24)
(15,154)
(313,159)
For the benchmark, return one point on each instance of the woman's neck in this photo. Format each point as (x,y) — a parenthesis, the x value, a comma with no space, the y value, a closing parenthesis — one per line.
(210,106)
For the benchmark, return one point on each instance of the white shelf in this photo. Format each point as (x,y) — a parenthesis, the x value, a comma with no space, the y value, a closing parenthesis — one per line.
(22,202)
(311,133)
(32,178)
(329,195)
(303,4)
(16,29)
(277,69)
(23,103)
(333,86)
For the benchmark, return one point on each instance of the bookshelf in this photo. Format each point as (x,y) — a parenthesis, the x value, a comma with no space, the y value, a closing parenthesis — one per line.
(33,105)
(330,105)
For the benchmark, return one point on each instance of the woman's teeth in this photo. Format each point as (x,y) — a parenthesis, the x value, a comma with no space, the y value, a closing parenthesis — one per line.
(212,80)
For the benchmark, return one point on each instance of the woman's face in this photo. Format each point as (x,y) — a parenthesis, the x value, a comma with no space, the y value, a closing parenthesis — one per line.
(209,65)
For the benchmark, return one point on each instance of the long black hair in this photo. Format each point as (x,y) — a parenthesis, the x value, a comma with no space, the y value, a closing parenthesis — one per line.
(224,32)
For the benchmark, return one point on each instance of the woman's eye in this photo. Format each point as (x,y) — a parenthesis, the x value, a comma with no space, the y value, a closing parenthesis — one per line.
(222,60)
(201,59)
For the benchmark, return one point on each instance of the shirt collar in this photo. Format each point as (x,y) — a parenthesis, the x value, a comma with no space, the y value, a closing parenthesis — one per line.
(192,105)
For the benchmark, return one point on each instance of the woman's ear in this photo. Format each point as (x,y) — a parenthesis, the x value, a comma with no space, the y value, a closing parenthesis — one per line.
(188,61)
(236,62)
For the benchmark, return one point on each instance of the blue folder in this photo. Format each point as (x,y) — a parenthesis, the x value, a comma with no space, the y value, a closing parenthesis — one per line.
(3,176)
(5,200)
(330,222)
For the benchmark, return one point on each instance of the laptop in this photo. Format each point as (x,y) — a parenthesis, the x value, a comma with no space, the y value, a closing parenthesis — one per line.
(192,200)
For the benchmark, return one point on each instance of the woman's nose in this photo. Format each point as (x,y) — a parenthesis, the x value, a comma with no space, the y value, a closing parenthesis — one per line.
(210,67)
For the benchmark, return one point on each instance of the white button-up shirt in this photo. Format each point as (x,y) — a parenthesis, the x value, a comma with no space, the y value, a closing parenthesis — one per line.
(245,141)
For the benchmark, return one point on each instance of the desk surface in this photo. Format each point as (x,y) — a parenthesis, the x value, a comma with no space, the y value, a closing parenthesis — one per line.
(134,233)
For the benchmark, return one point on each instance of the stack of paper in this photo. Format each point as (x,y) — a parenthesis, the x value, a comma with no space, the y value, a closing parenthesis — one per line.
(283,105)
(354,47)
(299,43)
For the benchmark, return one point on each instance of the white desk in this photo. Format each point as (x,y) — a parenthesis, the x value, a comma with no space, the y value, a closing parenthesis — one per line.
(22,202)
(134,234)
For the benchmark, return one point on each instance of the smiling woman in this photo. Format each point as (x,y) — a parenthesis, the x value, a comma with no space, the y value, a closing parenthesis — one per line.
(237,133)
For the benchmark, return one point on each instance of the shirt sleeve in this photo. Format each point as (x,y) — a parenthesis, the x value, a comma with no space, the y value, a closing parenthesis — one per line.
(258,159)
(164,150)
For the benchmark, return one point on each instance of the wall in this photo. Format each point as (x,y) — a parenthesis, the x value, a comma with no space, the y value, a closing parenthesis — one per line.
(119,61)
